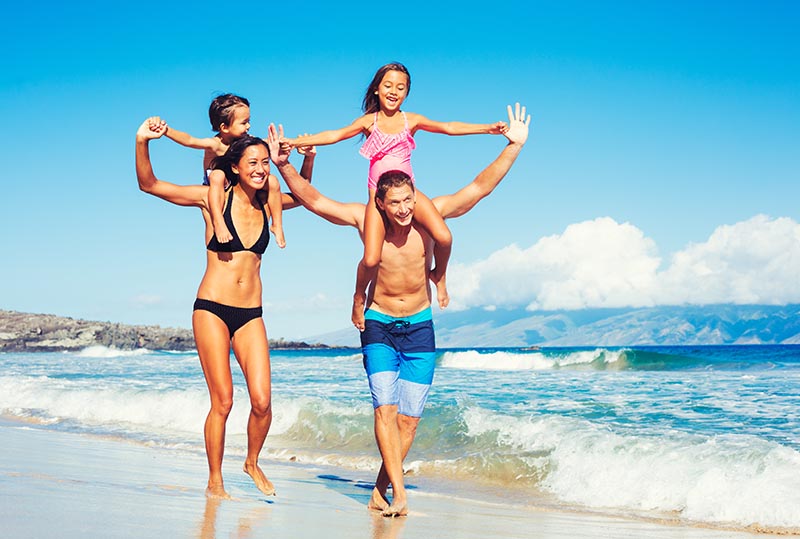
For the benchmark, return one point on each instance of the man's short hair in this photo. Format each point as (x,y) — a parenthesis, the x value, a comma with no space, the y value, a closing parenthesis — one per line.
(392,178)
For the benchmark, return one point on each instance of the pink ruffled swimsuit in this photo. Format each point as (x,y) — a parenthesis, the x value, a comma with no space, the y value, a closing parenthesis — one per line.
(388,152)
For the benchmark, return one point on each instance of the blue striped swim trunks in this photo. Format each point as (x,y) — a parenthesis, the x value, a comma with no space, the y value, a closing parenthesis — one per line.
(399,357)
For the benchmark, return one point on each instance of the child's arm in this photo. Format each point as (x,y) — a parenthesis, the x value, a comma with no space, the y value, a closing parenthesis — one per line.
(216,201)
(275,203)
(185,139)
(420,122)
(332,136)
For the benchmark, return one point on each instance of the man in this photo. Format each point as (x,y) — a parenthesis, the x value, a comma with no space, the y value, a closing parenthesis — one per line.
(397,332)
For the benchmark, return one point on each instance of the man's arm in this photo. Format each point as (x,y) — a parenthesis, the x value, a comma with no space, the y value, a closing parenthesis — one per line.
(337,213)
(484,183)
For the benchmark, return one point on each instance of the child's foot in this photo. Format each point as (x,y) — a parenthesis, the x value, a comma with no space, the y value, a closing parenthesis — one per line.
(278,233)
(441,289)
(358,313)
(223,234)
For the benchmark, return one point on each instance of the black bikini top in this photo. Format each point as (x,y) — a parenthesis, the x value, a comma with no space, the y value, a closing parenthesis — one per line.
(235,245)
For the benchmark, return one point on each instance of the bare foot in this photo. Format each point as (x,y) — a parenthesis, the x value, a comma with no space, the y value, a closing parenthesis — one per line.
(397,509)
(217,492)
(358,313)
(378,501)
(278,232)
(262,483)
(222,233)
(441,288)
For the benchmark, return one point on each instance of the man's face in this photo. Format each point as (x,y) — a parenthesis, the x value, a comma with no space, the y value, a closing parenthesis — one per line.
(398,204)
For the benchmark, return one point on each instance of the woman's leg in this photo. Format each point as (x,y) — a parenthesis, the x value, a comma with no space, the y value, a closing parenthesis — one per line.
(213,347)
(251,348)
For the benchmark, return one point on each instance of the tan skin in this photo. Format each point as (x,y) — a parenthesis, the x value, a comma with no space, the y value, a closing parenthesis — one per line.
(392,92)
(400,287)
(230,279)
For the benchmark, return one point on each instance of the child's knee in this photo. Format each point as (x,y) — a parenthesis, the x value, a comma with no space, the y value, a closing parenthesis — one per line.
(371,260)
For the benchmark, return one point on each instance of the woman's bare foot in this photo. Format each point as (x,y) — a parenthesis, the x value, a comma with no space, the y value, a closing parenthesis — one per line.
(217,492)
(262,483)
(378,501)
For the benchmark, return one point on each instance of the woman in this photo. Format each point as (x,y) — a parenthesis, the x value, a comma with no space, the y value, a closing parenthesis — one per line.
(227,312)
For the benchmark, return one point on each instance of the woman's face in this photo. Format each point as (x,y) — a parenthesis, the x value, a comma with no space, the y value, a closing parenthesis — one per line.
(253,167)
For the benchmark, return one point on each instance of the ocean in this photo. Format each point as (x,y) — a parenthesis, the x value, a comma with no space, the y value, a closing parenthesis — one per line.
(705,435)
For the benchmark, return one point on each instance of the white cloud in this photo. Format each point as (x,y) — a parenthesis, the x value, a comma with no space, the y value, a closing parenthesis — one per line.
(602,263)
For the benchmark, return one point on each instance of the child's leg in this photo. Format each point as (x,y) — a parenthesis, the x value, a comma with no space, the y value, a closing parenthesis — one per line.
(374,234)
(276,210)
(429,217)
(216,201)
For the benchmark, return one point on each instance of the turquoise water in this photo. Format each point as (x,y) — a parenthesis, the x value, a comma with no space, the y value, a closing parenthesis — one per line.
(711,434)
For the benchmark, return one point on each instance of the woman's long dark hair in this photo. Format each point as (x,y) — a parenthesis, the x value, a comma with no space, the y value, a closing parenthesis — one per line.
(371,103)
(234,154)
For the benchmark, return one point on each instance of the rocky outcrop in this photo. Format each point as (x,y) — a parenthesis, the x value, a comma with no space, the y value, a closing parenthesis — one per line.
(25,332)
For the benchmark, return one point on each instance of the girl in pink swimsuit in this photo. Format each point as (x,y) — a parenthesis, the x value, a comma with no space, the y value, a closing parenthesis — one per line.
(390,139)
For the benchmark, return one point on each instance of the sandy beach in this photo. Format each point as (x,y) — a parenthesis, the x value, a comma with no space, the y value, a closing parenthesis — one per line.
(58,484)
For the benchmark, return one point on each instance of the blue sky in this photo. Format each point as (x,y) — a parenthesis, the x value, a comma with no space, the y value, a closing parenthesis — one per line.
(662,165)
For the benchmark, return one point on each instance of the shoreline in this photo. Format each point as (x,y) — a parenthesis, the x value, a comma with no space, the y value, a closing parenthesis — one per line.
(95,486)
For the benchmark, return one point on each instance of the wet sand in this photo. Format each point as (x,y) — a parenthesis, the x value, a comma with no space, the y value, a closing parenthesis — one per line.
(59,484)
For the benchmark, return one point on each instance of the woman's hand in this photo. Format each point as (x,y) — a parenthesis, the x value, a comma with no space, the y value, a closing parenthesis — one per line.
(151,128)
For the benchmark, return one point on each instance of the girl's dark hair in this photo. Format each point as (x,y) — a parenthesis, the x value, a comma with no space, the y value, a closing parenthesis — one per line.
(221,109)
(234,154)
(371,103)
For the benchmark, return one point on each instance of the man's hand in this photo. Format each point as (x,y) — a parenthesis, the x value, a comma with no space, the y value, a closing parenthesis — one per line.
(518,125)
(277,153)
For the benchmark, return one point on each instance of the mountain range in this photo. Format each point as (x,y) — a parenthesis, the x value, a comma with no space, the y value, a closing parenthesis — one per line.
(665,325)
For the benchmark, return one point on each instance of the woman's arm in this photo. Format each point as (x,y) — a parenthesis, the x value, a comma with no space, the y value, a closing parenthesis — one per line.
(182,195)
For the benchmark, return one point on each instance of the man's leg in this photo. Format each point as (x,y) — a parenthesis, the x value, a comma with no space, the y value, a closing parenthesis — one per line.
(387,434)
(407,427)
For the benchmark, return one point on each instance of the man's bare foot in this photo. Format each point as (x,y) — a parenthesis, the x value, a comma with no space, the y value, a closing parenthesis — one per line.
(397,509)
(378,501)
(262,483)
(217,492)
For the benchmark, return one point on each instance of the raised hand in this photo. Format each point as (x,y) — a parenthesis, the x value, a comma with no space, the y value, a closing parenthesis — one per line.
(152,128)
(518,125)
(277,152)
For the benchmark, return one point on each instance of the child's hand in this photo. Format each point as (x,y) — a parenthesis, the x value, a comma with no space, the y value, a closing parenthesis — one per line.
(307,151)
(151,128)
(498,128)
